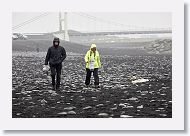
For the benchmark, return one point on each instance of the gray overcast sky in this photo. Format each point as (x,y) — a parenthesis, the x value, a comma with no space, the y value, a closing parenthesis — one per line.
(85,21)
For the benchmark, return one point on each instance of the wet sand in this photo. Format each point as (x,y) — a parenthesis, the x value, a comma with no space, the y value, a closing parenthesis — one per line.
(117,96)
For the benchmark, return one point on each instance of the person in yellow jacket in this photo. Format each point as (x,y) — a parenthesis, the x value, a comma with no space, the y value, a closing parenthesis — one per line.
(92,59)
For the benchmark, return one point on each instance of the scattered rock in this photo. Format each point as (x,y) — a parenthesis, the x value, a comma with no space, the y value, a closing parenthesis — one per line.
(140,81)
(103,114)
(88,107)
(83,99)
(125,116)
(93,97)
(152,100)
(71,112)
(130,106)
(99,105)
(18,114)
(69,108)
(140,107)
(164,115)
(114,108)
(122,105)
(133,99)
(35,90)
(63,113)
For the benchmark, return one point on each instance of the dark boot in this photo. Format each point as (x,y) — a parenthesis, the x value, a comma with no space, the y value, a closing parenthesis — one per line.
(53,87)
(53,83)
(58,82)
(57,87)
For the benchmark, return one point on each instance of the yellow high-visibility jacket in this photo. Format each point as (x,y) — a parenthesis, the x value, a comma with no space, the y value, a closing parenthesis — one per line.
(89,56)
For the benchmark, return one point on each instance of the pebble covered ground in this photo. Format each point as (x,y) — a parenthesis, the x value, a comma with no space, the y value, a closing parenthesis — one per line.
(117,97)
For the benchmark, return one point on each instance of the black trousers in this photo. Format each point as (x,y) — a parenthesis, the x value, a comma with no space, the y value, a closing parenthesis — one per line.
(88,76)
(56,71)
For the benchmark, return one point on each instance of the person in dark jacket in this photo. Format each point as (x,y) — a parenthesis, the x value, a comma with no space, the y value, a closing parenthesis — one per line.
(55,56)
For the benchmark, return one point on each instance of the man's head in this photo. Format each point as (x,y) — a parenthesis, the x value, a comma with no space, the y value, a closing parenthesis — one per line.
(56,42)
(93,47)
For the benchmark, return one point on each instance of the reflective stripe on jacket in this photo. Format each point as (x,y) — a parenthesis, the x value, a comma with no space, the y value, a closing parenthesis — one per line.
(89,55)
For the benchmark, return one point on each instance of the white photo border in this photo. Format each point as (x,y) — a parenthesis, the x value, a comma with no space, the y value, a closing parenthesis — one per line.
(175,123)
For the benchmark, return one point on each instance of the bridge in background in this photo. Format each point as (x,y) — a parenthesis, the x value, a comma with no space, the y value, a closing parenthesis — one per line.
(64,34)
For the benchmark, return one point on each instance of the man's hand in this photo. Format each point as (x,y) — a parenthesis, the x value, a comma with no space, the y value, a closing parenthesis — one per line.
(45,68)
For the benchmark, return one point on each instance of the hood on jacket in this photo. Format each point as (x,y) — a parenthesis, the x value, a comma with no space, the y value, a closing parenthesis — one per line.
(93,45)
(56,40)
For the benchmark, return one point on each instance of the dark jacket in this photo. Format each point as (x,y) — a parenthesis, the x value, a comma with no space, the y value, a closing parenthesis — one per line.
(55,55)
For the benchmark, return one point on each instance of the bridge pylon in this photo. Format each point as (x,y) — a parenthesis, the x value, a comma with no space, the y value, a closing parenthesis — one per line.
(65,36)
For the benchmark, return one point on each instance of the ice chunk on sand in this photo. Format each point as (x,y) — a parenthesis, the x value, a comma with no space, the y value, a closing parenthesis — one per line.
(142,80)
(103,114)
(125,116)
